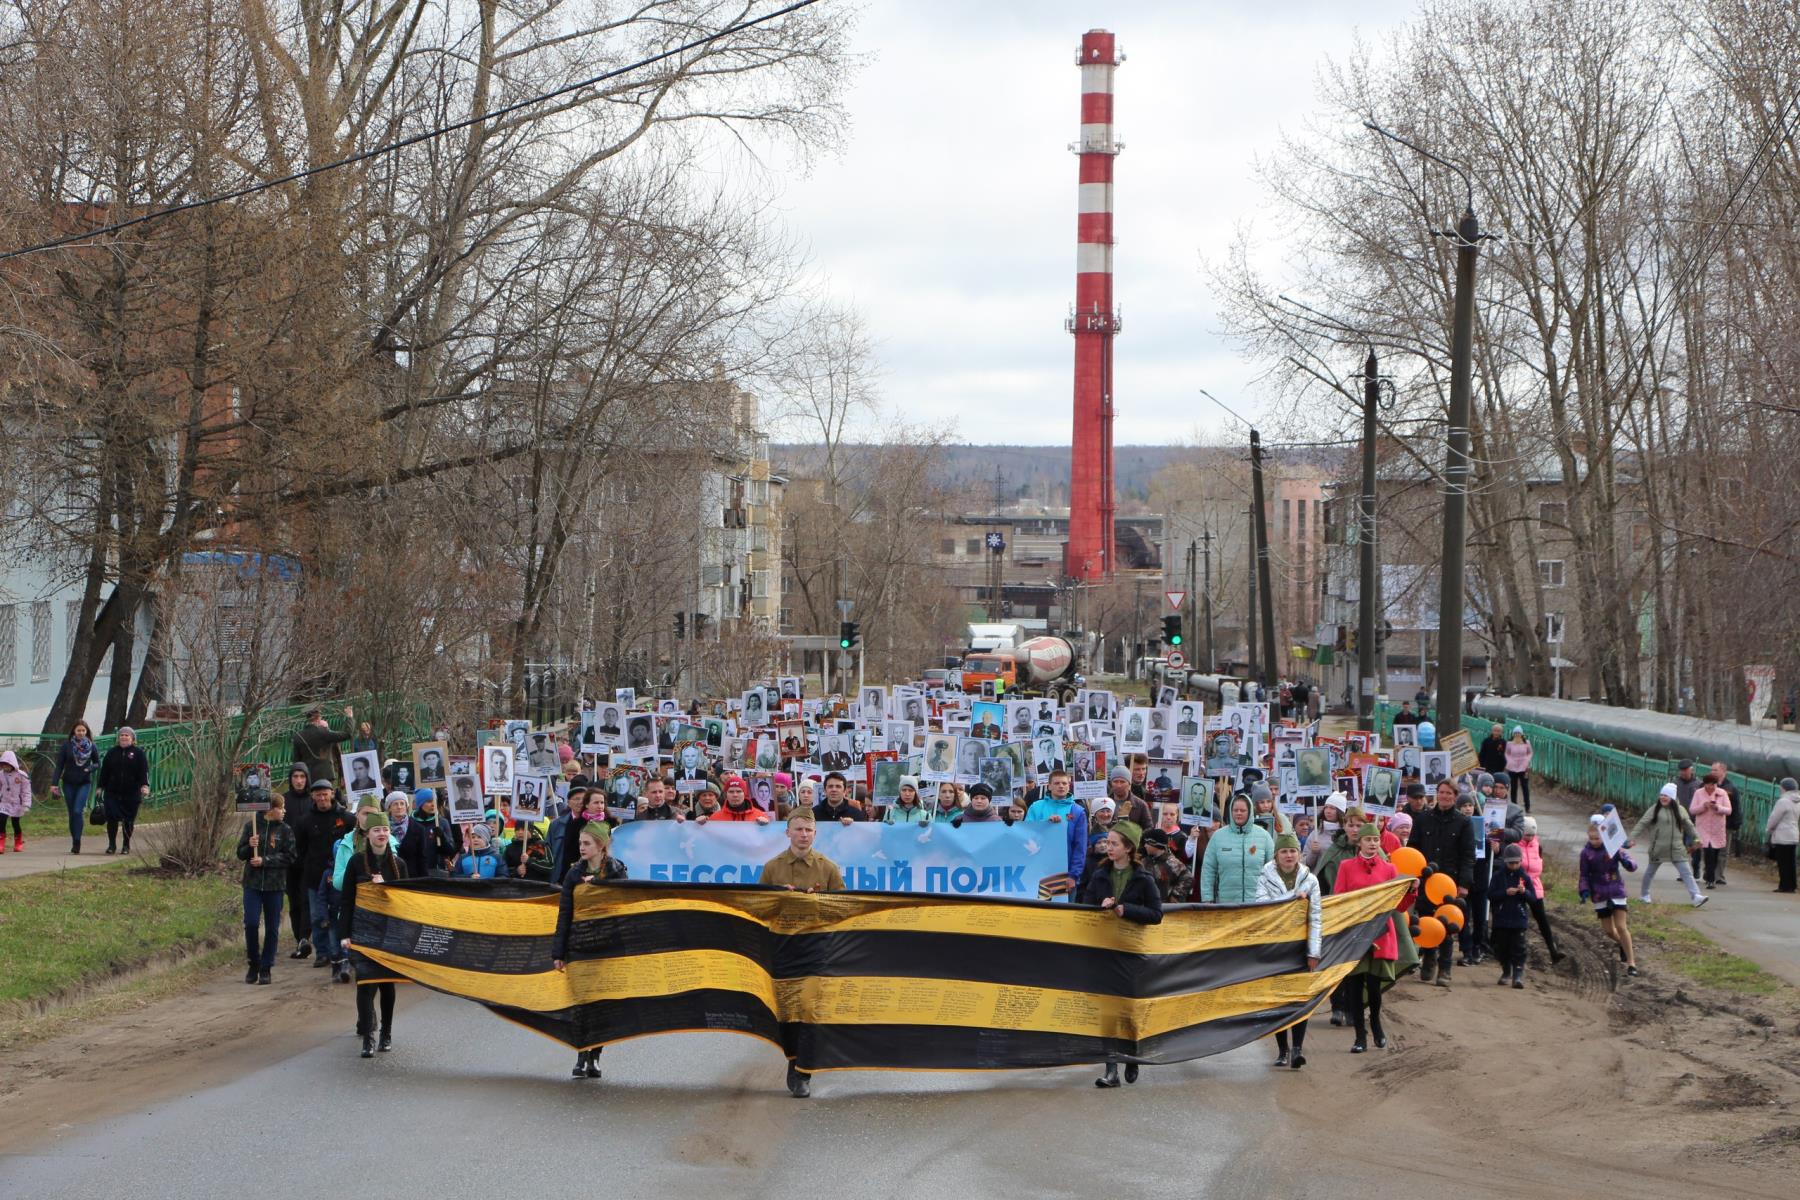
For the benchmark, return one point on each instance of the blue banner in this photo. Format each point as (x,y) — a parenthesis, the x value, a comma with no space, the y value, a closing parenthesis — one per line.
(986,859)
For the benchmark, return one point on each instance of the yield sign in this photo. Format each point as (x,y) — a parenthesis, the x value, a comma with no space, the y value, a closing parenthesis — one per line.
(1175,599)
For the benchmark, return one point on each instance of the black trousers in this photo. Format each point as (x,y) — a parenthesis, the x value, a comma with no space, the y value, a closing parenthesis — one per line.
(1712,868)
(1542,918)
(299,907)
(1784,865)
(1521,789)
(365,1008)
(1509,948)
(1299,1038)
(1366,992)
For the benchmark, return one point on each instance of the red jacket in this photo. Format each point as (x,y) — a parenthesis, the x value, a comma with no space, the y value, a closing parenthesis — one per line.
(747,813)
(1358,872)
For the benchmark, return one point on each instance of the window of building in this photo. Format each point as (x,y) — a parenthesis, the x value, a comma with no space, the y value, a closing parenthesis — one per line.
(759,585)
(974,546)
(1553,514)
(74,615)
(1553,628)
(9,641)
(787,618)
(1550,572)
(42,631)
(947,546)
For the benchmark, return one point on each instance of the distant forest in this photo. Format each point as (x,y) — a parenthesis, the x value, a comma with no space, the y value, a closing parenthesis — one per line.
(1036,473)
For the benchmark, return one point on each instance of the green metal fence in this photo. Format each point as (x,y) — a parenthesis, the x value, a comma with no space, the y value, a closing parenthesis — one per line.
(397,722)
(1623,777)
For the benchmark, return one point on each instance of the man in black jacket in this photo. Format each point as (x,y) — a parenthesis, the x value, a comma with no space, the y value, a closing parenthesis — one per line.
(1447,840)
(314,742)
(315,834)
(1493,750)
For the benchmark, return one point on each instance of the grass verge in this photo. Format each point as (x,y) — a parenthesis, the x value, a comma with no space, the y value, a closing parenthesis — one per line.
(64,931)
(1677,945)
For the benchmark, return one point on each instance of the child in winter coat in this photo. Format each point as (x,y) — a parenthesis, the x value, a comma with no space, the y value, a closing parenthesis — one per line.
(1510,893)
(1599,881)
(15,800)
(1284,879)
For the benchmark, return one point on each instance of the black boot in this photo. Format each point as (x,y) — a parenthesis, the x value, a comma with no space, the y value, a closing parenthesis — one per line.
(1281,1060)
(368,1050)
(303,950)
(74,847)
(387,1041)
(250,975)
(593,1062)
(1375,1028)
(579,1070)
(1111,1078)
(1361,1044)
(799,1083)
(263,977)
(112,847)
(1131,1072)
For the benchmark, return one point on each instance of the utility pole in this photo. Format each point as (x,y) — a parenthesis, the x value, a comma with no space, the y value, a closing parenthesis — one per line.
(1191,609)
(1211,659)
(1250,669)
(1456,477)
(1264,585)
(1365,532)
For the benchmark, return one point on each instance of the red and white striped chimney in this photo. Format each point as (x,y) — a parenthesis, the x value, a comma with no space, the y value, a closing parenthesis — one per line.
(1089,551)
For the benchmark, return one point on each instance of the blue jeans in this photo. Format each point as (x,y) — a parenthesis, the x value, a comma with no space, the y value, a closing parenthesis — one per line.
(76,799)
(262,914)
(324,901)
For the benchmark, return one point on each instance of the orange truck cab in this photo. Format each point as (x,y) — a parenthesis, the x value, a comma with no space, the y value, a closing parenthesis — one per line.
(992,665)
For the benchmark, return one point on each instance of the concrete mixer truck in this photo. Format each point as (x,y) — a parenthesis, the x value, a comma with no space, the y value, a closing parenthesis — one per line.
(1041,666)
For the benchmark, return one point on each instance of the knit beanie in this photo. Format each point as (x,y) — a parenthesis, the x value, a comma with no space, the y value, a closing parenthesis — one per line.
(1512,854)
(738,782)
(1119,773)
(424,795)
(910,781)
(1400,823)
(1131,831)
(1259,792)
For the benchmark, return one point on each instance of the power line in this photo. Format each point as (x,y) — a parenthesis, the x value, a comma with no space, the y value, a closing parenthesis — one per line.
(415,139)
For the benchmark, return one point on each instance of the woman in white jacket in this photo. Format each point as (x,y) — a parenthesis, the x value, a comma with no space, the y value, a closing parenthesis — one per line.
(1782,833)
(1283,879)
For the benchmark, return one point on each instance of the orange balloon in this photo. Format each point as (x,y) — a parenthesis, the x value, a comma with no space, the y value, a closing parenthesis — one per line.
(1450,915)
(1408,861)
(1440,888)
(1431,933)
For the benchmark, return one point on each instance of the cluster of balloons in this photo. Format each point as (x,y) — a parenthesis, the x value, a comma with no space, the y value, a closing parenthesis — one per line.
(1440,889)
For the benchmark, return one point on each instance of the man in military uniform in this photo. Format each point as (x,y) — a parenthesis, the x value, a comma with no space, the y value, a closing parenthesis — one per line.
(798,869)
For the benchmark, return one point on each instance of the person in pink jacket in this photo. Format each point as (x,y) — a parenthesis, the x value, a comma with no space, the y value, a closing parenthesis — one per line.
(1518,768)
(1709,807)
(1534,870)
(15,800)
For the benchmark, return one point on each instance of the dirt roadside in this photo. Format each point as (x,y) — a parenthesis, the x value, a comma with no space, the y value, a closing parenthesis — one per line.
(167,1047)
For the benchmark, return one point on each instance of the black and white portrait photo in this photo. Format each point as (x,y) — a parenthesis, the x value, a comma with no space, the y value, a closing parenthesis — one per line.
(497,768)
(362,774)
(431,762)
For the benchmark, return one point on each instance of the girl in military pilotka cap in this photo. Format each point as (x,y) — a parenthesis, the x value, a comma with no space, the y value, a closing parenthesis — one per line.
(1120,883)
(375,862)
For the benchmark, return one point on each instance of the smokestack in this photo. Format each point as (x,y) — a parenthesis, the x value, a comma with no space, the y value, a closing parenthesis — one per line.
(1089,552)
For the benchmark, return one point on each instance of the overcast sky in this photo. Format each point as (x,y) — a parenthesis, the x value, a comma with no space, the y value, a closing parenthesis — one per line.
(949,218)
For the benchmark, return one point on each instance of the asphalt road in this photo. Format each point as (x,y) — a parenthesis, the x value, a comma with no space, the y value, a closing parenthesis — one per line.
(468,1105)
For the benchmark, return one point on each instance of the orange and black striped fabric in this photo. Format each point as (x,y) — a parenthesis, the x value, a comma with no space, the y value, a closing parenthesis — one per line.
(870,980)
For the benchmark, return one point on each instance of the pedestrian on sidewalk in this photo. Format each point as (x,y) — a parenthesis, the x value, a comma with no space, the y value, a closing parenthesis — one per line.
(1492,754)
(594,864)
(1124,887)
(1782,832)
(1600,882)
(1734,820)
(15,800)
(1711,807)
(76,762)
(1473,939)
(1670,832)
(124,782)
(266,848)
(1446,838)
(1518,767)
(296,801)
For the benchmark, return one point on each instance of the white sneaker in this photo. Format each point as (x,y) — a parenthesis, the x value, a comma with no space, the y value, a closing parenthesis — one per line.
(1645,900)
(1700,901)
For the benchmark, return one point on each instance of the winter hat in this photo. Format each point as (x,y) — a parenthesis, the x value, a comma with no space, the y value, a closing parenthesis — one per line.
(1105,803)
(1511,837)
(1512,854)
(1502,779)
(786,780)
(424,796)
(1484,780)
(1119,773)
(1400,822)
(1338,801)
(910,781)
(1686,764)
(709,786)
(1259,791)
(125,729)
(1596,819)
(1131,831)
(1516,730)
(1674,793)
(486,831)
(1530,825)
(394,795)
(1155,837)
(1287,841)
(981,789)
(322,785)
(1788,784)
(738,780)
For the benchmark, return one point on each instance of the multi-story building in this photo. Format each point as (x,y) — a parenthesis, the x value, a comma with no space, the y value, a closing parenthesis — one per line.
(741,523)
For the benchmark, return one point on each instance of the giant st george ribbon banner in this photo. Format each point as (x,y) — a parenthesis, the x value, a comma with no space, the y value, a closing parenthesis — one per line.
(870,980)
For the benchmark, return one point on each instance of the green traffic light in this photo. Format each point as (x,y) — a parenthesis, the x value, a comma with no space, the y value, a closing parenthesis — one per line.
(1175,640)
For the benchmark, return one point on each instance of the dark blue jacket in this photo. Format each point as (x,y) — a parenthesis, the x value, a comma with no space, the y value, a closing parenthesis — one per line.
(1510,912)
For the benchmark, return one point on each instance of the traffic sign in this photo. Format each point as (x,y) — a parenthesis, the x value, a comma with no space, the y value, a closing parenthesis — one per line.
(1175,599)
(1177,659)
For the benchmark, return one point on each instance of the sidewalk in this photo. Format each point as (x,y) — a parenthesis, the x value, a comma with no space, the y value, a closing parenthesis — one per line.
(50,852)
(1746,917)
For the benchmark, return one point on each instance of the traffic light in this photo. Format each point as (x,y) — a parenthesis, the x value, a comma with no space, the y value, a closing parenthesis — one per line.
(848,635)
(1172,631)
(680,626)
